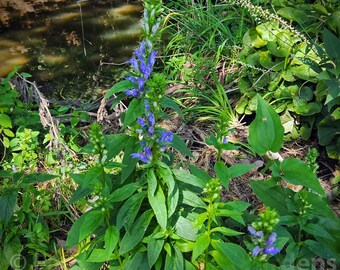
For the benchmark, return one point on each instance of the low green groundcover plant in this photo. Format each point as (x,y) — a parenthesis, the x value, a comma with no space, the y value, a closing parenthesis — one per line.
(148,214)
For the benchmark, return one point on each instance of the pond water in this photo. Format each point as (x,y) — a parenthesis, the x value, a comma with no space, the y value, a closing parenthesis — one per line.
(73,49)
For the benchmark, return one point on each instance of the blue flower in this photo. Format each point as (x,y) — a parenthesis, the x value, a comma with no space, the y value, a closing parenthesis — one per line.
(145,156)
(254,233)
(256,251)
(269,247)
(166,136)
(270,250)
(132,92)
(225,140)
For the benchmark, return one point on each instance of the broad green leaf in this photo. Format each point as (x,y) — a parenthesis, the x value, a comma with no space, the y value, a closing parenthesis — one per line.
(128,212)
(38,177)
(317,230)
(172,201)
(100,255)
(318,249)
(296,172)
(222,173)
(188,178)
(226,231)
(25,74)
(6,142)
(332,44)
(8,133)
(175,261)
(199,173)
(84,226)
(119,87)
(8,201)
(266,131)
(115,143)
(233,253)
(137,262)
(235,215)
(180,146)
(133,236)
(5,121)
(252,39)
(130,162)
(111,239)
(165,173)
(201,244)
(123,193)
(237,170)
(190,198)
(185,228)
(270,194)
(152,181)
(293,14)
(154,250)
(170,103)
(86,183)
(305,108)
(134,110)
(157,202)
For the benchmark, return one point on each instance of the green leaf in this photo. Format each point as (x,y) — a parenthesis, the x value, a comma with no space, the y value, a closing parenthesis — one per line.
(133,236)
(8,201)
(8,133)
(134,110)
(38,177)
(119,87)
(185,228)
(270,194)
(318,249)
(155,246)
(233,253)
(165,173)
(190,198)
(172,201)
(84,226)
(152,181)
(297,172)
(130,162)
(201,244)
(200,173)
(6,142)
(99,255)
(123,193)
(25,74)
(188,178)
(137,262)
(239,169)
(158,205)
(175,261)
(128,212)
(315,229)
(179,145)
(332,44)
(252,39)
(226,231)
(115,143)
(222,173)
(170,103)
(5,121)
(111,239)
(266,131)
(293,14)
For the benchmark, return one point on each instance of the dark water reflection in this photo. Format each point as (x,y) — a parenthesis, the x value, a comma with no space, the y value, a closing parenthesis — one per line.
(66,45)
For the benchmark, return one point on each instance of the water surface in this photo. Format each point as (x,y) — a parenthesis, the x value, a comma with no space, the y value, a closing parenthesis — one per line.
(73,49)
